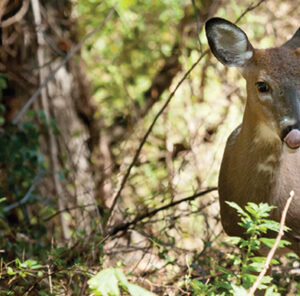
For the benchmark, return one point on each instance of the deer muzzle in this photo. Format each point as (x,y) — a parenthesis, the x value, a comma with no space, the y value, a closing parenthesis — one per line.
(292,139)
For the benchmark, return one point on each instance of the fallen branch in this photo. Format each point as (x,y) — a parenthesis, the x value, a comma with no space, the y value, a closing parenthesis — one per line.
(274,247)
(150,214)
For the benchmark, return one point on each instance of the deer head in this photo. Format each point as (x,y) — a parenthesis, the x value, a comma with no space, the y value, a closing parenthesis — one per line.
(273,81)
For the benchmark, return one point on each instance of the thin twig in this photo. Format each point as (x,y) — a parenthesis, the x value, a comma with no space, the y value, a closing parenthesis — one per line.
(199,27)
(16,17)
(3,4)
(67,210)
(150,214)
(50,279)
(26,197)
(137,153)
(68,56)
(274,247)
(250,7)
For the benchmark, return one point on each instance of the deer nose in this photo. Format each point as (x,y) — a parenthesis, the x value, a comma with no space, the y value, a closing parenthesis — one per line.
(289,128)
(291,135)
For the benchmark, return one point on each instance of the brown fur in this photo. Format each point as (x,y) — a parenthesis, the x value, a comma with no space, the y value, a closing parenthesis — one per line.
(280,63)
(257,165)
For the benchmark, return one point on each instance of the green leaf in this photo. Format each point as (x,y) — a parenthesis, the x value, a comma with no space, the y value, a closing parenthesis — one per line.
(269,242)
(266,280)
(10,271)
(136,290)
(40,274)
(105,282)
(234,239)
(270,292)
(221,268)
(121,276)
(239,291)
(127,3)
(238,208)
(256,266)
(3,83)
(2,120)
(32,264)
(271,225)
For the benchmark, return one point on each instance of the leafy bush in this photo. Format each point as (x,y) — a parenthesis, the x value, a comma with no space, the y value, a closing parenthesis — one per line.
(245,265)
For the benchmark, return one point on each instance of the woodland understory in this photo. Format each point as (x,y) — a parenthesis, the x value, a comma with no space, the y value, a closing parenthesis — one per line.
(113,121)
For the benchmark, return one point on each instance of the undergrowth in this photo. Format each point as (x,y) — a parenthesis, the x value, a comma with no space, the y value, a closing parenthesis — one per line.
(57,267)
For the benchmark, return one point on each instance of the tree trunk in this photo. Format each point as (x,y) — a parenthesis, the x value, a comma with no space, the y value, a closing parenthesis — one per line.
(33,44)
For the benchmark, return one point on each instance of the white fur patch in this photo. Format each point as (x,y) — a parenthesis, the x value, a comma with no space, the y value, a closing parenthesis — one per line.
(271,158)
(265,168)
(240,42)
(234,43)
(264,134)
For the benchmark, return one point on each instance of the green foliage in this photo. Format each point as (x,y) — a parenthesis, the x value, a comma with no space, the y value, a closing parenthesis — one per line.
(26,268)
(21,159)
(254,219)
(122,60)
(20,275)
(140,37)
(108,281)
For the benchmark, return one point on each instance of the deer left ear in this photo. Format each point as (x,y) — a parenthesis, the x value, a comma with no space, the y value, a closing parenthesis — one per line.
(228,42)
(294,42)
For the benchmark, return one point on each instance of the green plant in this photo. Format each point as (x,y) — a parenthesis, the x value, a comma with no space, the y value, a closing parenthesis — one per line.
(246,264)
(110,280)
(21,159)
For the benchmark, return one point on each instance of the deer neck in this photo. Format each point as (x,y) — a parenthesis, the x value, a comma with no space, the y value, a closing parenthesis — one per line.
(259,150)
(259,135)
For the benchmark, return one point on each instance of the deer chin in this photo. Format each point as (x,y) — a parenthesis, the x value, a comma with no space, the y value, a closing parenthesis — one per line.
(292,139)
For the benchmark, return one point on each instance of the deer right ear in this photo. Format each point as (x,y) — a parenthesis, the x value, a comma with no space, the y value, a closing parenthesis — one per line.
(294,42)
(229,43)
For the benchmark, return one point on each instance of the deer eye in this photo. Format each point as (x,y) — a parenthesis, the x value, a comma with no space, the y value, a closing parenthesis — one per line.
(262,86)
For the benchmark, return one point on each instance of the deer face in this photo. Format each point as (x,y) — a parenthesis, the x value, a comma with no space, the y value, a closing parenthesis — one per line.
(272,75)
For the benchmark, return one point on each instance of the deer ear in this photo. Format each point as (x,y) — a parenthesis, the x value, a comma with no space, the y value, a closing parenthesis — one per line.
(294,42)
(229,43)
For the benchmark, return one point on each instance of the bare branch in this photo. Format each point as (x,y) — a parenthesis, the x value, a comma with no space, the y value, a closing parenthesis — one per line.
(68,210)
(137,153)
(140,217)
(250,7)
(273,249)
(17,17)
(199,26)
(26,197)
(3,4)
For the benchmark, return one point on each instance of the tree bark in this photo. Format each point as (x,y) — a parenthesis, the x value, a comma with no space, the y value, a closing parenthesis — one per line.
(32,48)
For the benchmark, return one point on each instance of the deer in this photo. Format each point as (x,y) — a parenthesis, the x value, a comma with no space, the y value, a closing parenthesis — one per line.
(261,160)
